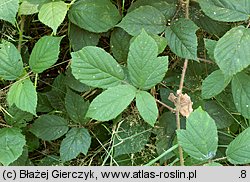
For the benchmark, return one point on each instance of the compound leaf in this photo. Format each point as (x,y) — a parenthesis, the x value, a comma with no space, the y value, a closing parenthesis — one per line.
(145,68)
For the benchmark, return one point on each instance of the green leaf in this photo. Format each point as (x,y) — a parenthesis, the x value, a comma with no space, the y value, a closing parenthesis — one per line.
(59,84)
(209,25)
(95,67)
(164,93)
(168,10)
(200,139)
(11,145)
(52,14)
(144,17)
(49,127)
(10,61)
(213,164)
(131,137)
(145,69)
(29,7)
(76,107)
(238,151)
(147,107)
(23,94)
(80,38)
(77,141)
(56,100)
(8,10)
(22,160)
(161,42)
(50,160)
(221,116)
(227,11)
(111,102)
(17,118)
(56,95)
(94,16)
(231,51)
(165,134)
(120,41)
(75,84)
(214,84)
(241,93)
(32,142)
(210,46)
(182,39)
(226,100)
(45,53)
(43,103)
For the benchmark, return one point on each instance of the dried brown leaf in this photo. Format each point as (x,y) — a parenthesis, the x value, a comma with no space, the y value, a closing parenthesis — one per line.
(185,106)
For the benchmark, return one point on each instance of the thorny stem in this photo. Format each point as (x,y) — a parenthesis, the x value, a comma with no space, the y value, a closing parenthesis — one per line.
(178,104)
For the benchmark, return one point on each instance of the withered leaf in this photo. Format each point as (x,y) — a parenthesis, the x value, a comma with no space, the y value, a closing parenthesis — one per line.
(185,106)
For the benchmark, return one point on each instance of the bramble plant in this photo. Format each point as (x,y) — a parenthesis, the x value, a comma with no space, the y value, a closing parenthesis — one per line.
(126,82)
